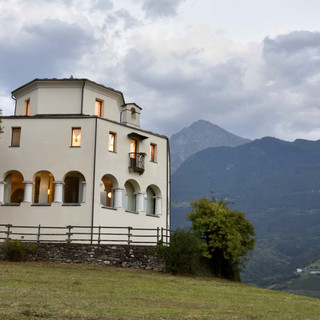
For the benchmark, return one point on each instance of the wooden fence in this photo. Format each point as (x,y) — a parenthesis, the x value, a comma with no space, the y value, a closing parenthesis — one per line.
(86,234)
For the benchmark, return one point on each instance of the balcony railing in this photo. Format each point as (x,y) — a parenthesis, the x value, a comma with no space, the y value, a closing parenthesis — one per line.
(137,161)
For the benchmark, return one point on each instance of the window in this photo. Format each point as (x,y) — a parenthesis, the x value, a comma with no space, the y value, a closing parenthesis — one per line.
(153,152)
(112,142)
(27,107)
(15,139)
(133,146)
(76,137)
(133,113)
(99,108)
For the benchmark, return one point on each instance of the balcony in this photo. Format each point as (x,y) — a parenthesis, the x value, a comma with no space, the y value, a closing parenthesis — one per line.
(136,161)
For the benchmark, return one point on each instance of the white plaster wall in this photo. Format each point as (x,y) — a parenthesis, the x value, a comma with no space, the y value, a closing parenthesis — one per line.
(45,145)
(117,163)
(111,102)
(33,96)
(59,100)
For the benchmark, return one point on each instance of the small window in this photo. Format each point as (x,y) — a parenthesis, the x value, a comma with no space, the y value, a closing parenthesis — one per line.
(153,152)
(99,108)
(112,142)
(76,137)
(27,107)
(15,139)
(133,113)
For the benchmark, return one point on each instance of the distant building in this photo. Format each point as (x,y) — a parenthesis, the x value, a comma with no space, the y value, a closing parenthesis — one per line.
(73,153)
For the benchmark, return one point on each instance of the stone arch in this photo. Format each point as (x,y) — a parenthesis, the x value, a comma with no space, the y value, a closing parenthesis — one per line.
(109,183)
(74,187)
(43,187)
(14,187)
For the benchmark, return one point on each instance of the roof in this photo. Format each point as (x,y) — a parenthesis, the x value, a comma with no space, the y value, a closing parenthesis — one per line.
(67,79)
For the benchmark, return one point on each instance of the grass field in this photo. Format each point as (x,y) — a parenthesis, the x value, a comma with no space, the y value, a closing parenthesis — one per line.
(52,291)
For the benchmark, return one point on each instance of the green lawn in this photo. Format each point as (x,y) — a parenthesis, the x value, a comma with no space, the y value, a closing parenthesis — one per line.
(52,291)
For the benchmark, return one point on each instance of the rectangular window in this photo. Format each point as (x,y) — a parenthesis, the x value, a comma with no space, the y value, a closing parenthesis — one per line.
(27,107)
(112,142)
(153,152)
(15,139)
(76,137)
(99,108)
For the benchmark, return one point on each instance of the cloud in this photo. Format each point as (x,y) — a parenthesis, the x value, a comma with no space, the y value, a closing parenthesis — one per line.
(164,8)
(274,91)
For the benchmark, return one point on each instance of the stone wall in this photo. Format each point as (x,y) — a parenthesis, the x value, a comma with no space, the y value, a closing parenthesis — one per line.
(137,257)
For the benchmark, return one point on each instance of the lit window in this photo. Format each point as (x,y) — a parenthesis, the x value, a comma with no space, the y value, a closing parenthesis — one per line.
(15,139)
(98,108)
(27,107)
(112,142)
(76,137)
(153,152)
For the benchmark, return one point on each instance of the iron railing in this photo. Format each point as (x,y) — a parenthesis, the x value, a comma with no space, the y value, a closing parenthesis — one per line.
(86,234)
(136,161)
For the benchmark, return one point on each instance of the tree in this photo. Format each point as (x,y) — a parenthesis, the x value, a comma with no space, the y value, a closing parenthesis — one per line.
(228,235)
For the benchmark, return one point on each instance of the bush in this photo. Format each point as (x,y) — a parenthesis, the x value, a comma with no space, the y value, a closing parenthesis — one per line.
(184,255)
(15,250)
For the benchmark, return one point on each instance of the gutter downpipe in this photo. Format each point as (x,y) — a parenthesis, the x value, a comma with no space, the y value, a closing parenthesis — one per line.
(15,103)
(168,223)
(84,82)
(94,178)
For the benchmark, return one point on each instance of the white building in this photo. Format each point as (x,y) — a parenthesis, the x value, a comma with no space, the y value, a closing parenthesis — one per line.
(73,153)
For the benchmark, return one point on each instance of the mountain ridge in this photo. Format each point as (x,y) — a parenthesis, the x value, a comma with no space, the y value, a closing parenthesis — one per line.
(198,136)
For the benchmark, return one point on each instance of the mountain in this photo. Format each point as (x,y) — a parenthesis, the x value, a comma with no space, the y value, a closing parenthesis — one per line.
(199,136)
(277,183)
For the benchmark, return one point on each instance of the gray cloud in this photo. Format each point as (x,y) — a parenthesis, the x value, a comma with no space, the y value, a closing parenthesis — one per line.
(284,104)
(294,57)
(48,49)
(164,8)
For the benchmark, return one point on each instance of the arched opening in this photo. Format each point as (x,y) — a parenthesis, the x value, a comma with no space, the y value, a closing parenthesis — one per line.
(107,190)
(153,200)
(43,187)
(74,187)
(129,197)
(14,187)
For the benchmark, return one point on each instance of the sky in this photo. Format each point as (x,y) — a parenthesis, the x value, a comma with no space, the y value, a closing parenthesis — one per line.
(251,67)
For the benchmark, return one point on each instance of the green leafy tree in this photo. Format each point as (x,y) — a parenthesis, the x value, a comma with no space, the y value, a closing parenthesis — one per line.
(228,235)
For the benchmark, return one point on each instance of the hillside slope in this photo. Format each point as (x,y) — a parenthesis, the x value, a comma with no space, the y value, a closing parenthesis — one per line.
(52,291)
(277,183)
(199,136)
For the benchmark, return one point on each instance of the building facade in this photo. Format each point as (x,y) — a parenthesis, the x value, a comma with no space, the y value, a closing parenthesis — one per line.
(73,153)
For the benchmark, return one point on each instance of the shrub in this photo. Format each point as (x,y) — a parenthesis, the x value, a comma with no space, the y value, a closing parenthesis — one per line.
(184,255)
(15,250)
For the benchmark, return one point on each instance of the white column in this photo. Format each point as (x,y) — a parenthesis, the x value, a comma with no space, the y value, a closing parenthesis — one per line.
(139,201)
(58,187)
(27,191)
(157,210)
(118,197)
(2,183)
(84,191)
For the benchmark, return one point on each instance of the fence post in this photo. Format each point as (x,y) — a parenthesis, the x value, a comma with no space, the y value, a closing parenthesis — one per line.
(38,237)
(162,235)
(157,235)
(99,230)
(8,232)
(129,235)
(69,233)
